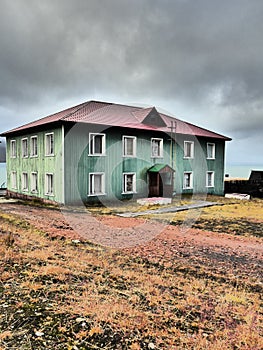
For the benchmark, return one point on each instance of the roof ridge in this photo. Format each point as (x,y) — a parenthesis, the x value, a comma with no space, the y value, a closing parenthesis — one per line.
(82,105)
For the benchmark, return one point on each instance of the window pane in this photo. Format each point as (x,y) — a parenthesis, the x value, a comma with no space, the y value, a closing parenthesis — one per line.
(129,147)
(156,148)
(210,150)
(50,184)
(129,183)
(24,148)
(33,146)
(24,181)
(187,180)
(97,184)
(97,144)
(13,148)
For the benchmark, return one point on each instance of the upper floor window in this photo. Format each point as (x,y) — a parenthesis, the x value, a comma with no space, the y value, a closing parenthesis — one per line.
(33,146)
(96,144)
(49,144)
(34,182)
(129,183)
(24,144)
(210,150)
(13,148)
(210,179)
(156,148)
(188,149)
(96,184)
(129,146)
(49,184)
(188,180)
(24,182)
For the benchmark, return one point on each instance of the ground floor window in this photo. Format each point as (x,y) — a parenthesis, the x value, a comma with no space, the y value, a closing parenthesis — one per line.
(14,180)
(129,183)
(210,179)
(188,180)
(34,182)
(24,182)
(49,184)
(96,184)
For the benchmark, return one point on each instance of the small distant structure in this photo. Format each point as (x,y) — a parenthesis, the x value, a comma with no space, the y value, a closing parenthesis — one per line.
(253,186)
(256,176)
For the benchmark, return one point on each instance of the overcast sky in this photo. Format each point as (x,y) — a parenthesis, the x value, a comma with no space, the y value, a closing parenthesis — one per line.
(199,60)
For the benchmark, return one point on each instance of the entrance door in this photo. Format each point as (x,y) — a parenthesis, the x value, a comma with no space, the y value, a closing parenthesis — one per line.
(161,179)
(154,185)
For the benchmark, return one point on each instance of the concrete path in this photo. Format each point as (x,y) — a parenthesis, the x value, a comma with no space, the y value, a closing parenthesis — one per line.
(196,205)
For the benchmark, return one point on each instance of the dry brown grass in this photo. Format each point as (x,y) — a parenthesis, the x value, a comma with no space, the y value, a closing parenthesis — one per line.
(59,295)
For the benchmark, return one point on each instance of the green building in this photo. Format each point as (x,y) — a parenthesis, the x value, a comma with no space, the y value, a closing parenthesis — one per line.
(99,151)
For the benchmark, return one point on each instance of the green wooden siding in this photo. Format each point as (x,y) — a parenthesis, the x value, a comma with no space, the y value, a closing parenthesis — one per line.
(199,165)
(72,159)
(41,164)
(79,164)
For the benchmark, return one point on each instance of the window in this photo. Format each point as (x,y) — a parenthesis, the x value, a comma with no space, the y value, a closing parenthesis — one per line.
(24,182)
(49,184)
(157,147)
(210,179)
(210,150)
(24,143)
(188,149)
(50,144)
(14,180)
(129,146)
(34,182)
(13,148)
(96,184)
(33,146)
(129,183)
(188,180)
(97,144)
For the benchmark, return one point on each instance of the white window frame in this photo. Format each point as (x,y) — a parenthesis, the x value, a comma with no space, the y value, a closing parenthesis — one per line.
(33,147)
(124,146)
(211,180)
(14,180)
(92,136)
(124,183)
(34,182)
(49,144)
(208,145)
(24,147)
(159,141)
(190,187)
(24,181)
(92,184)
(191,143)
(49,188)
(13,150)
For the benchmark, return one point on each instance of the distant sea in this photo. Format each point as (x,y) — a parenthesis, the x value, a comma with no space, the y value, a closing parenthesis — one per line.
(242,171)
(3,174)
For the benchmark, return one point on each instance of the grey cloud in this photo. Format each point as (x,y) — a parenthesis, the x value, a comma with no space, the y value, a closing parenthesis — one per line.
(201,53)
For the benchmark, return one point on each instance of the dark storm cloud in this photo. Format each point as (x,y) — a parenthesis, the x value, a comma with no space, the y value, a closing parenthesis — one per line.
(205,54)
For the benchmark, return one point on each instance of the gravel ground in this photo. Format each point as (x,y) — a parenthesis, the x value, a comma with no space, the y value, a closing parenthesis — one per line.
(235,257)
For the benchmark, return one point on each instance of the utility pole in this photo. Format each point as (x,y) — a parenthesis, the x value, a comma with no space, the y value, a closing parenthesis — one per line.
(172,142)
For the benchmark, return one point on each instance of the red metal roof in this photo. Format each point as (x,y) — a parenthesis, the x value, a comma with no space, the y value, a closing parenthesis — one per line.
(111,114)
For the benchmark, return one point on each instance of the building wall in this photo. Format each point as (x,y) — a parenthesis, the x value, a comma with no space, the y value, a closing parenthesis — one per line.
(41,164)
(71,158)
(199,165)
(79,164)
